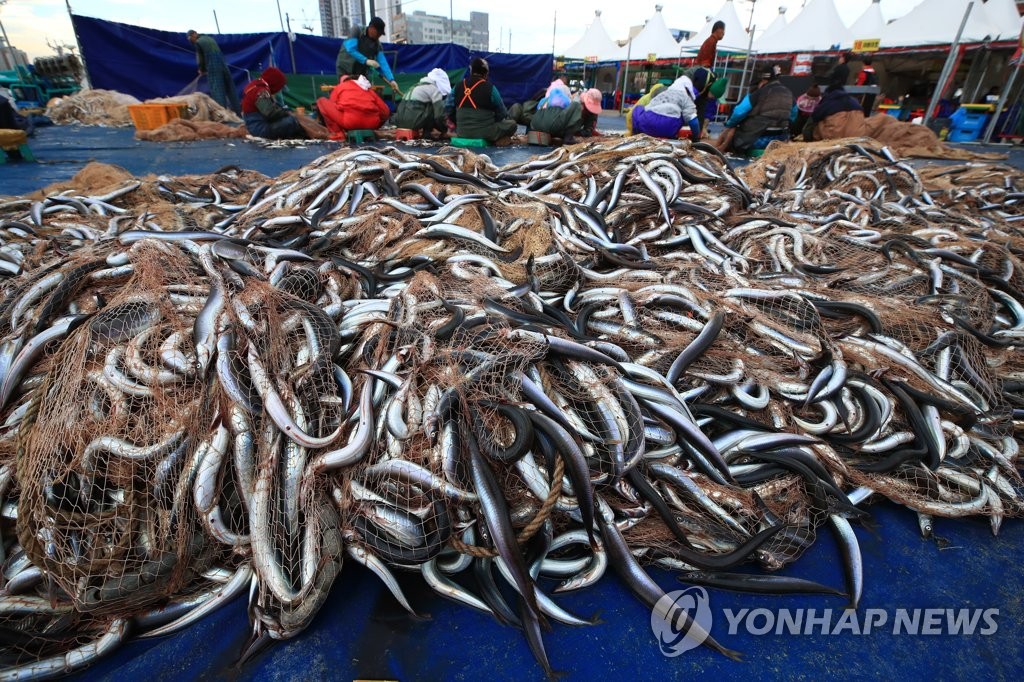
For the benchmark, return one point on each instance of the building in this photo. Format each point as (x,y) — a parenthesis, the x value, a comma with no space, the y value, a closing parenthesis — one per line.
(337,17)
(420,28)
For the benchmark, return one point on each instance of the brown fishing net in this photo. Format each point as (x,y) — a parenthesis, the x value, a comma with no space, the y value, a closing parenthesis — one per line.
(229,384)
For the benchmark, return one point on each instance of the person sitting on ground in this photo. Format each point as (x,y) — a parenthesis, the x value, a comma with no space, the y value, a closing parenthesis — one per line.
(591,101)
(668,112)
(768,108)
(838,115)
(263,116)
(422,108)
(11,118)
(361,52)
(643,102)
(805,105)
(522,112)
(557,115)
(353,105)
(476,109)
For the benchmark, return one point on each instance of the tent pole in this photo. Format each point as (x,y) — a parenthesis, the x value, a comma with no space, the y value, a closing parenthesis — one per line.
(940,87)
(1001,103)
(625,79)
(750,63)
(86,81)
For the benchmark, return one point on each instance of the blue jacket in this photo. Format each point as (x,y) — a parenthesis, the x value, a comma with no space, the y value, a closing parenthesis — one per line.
(835,101)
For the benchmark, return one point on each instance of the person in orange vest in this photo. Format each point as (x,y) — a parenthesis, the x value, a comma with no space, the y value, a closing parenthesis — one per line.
(263,116)
(476,107)
(353,105)
(867,76)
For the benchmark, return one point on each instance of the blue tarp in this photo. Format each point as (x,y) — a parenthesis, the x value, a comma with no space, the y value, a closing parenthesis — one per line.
(147,63)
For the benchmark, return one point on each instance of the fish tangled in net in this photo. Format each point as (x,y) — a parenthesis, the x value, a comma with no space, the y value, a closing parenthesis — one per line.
(613,355)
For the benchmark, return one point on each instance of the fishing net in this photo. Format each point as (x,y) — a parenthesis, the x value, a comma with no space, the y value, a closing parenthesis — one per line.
(227,384)
(92,107)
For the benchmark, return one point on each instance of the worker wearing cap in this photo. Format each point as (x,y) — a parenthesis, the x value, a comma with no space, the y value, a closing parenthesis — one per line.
(361,52)
(770,107)
(212,65)
(476,107)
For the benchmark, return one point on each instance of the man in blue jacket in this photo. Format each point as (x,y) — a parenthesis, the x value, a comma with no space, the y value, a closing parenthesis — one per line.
(361,52)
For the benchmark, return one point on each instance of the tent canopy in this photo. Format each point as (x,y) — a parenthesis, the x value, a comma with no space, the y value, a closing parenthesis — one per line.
(870,24)
(935,22)
(816,29)
(655,38)
(595,42)
(735,39)
(777,25)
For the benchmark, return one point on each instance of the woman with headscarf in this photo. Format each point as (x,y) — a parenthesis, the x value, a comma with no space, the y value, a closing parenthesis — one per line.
(643,102)
(422,108)
(591,101)
(263,116)
(557,115)
(353,105)
(668,112)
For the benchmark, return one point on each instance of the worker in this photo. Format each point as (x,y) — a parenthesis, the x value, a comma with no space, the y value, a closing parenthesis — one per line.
(557,115)
(353,105)
(867,76)
(643,102)
(668,112)
(709,48)
(361,52)
(422,108)
(263,116)
(476,109)
(702,78)
(212,65)
(591,101)
(838,115)
(805,105)
(769,108)
(840,73)
(522,112)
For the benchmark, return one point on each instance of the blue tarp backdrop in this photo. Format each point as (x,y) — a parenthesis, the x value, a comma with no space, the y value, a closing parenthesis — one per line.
(146,63)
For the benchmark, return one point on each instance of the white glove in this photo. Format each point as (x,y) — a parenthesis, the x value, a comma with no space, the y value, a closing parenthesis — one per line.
(373,63)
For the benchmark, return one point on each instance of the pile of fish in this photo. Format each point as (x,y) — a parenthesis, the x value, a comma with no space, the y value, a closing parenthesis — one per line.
(611,356)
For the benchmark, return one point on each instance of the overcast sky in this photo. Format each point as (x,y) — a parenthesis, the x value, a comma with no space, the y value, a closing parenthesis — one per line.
(30,23)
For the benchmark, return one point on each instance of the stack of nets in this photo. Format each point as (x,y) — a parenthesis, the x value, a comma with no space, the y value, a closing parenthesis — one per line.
(614,355)
(92,107)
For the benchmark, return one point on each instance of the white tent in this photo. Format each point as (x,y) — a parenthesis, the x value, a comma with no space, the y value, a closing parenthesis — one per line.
(935,22)
(870,24)
(595,42)
(735,39)
(816,29)
(654,38)
(777,25)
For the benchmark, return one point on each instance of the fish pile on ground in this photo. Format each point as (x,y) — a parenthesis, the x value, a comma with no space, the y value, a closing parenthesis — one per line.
(616,355)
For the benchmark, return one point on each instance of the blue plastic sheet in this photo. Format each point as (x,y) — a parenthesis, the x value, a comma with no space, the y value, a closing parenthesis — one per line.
(147,63)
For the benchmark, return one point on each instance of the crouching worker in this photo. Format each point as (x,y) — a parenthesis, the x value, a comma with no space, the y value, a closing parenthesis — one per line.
(353,105)
(422,108)
(477,109)
(768,110)
(591,101)
(668,112)
(838,115)
(557,115)
(263,116)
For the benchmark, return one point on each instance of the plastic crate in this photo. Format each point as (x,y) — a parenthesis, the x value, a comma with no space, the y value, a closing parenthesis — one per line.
(361,136)
(152,116)
(406,134)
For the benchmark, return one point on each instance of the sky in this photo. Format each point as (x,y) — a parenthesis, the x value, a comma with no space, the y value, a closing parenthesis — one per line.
(31,23)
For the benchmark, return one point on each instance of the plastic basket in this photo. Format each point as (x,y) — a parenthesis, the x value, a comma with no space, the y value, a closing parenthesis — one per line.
(152,116)
(468,142)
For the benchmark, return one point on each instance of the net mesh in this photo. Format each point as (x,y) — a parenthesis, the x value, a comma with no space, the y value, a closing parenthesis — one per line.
(222,384)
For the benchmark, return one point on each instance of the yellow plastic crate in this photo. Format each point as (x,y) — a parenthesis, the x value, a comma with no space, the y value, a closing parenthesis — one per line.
(152,116)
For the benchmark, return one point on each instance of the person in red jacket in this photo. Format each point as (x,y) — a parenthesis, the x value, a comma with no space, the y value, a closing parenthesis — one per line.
(263,116)
(353,105)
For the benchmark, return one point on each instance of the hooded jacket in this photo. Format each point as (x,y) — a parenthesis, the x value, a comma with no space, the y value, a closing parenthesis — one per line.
(675,101)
